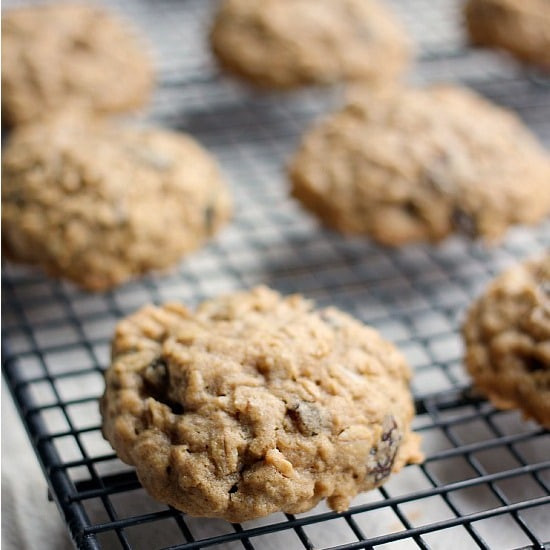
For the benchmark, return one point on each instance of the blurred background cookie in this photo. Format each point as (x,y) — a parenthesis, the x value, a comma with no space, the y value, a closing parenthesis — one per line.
(291,43)
(507,336)
(62,53)
(522,27)
(99,204)
(417,164)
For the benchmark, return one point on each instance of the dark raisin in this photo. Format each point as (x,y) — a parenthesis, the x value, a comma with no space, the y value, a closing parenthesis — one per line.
(535,364)
(412,209)
(156,380)
(81,44)
(156,374)
(209,216)
(176,407)
(382,456)
(464,222)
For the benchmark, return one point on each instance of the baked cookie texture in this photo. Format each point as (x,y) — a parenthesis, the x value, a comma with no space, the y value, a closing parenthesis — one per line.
(291,43)
(99,204)
(507,337)
(63,53)
(256,403)
(405,165)
(522,27)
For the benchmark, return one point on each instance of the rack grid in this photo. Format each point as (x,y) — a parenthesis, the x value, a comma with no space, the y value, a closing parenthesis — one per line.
(485,482)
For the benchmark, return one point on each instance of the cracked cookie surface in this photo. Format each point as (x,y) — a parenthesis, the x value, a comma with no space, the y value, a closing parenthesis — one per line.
(99,204)
(507,337)
(521,27)
(292,43)
(62,53)
(404,165)
(256,403)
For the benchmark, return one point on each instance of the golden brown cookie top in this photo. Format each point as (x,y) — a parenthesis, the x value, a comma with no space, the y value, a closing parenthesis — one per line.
(64,53)
(507,334)
(256,403)
(291,43)
(99,203)
(412,164)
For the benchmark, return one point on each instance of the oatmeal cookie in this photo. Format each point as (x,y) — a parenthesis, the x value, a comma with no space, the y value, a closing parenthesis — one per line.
(404,165)
(292,43)
(521,27)
(62,53)
(507,337)
(256,403)
(99,204)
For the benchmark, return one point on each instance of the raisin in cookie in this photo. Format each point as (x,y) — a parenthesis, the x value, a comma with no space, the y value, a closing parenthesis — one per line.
(522,27)
(416,164)
(291,43)
(99,204)
(62,53)
(255,403)
(507,336)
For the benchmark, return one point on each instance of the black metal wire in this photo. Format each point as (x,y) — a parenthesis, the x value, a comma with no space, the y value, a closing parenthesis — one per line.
(56,337)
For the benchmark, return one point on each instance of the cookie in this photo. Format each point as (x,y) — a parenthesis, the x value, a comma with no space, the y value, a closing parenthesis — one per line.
(61,53)
(507,338)
(256,403)
(99,204)
(405,165)
(521,27)
(291,43)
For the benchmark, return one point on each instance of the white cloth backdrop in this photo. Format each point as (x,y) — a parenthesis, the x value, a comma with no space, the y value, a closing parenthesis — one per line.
(29,520)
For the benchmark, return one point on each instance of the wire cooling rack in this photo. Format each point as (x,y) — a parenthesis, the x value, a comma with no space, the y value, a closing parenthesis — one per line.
(485,482)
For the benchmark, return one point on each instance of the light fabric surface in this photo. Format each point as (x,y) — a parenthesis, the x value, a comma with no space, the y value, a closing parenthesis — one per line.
(29,520)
